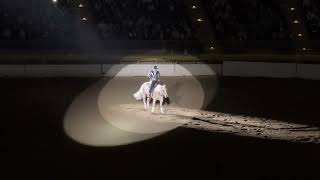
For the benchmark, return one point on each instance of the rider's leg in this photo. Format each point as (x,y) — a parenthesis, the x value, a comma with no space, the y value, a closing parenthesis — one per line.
(152,86)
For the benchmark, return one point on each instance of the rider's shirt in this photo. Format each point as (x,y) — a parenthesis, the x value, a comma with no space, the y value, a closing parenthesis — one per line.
(154,75)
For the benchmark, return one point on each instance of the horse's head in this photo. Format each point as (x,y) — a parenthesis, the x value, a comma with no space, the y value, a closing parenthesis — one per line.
(164,92)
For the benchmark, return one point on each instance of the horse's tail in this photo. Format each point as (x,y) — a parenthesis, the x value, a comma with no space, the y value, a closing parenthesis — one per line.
(137,95)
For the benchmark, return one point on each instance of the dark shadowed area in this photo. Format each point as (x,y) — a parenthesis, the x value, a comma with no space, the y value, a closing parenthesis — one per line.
(35,145)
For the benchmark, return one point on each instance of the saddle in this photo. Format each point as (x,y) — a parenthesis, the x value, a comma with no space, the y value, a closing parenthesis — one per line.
(149,85)
(159,82)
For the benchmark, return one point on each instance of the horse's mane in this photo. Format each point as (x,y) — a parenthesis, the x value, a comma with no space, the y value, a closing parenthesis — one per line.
(161,83)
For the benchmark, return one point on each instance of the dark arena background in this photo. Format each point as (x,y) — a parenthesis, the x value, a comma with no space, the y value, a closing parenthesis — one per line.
(242,76)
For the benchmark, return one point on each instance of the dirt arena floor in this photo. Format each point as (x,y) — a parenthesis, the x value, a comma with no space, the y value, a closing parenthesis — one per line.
(35,145)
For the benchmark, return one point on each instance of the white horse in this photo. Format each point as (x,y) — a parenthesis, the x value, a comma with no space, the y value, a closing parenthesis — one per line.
(159,93)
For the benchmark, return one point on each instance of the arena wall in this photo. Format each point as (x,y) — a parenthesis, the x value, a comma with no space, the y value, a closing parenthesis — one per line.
(100,70)
(273,70)
(12,70)
(63,70)
(124,70)
(228,68)
(309,71)
(259,69)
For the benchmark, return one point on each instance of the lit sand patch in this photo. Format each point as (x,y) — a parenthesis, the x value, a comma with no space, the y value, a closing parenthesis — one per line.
(94,118)
(227,123)
(183,92)
(84,124)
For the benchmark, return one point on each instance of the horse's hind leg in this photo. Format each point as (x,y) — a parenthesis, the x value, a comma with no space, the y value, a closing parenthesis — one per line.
(144,103)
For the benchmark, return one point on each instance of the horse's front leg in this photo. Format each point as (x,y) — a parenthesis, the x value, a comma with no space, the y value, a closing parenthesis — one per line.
(148,102)
(144,102)
(153,104)
(161,108)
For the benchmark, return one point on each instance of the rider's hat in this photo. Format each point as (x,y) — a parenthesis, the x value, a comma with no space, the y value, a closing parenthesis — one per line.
(155,67)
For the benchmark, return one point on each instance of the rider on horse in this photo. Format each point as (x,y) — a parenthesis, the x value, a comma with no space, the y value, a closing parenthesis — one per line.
(154,77)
